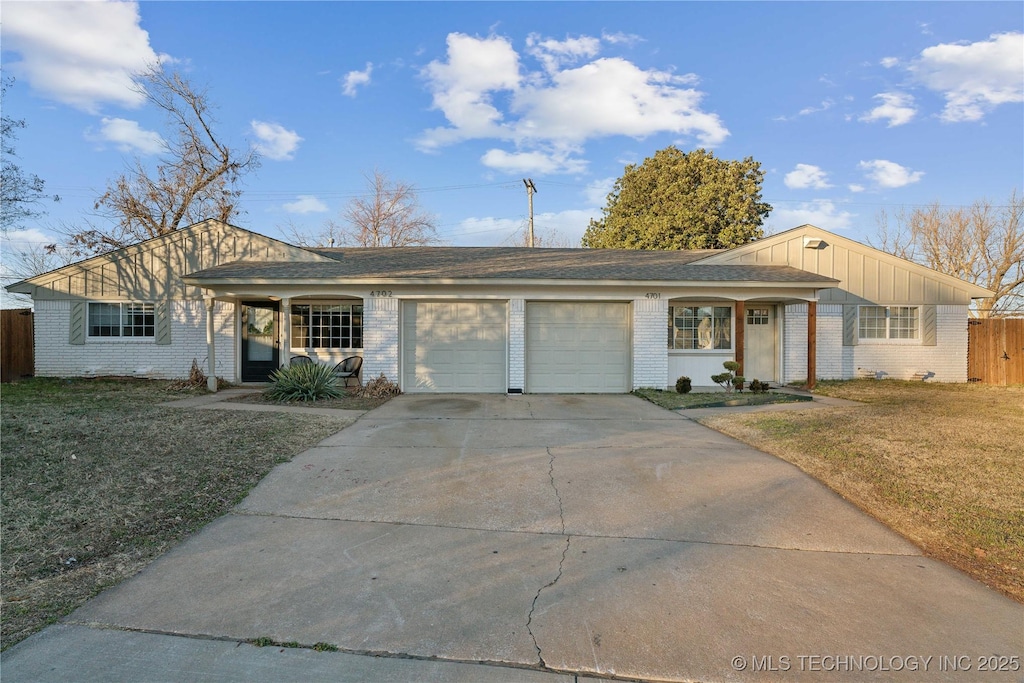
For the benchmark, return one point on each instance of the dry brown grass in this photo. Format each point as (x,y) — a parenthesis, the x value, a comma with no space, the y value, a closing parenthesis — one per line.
(942,464)
(97,481)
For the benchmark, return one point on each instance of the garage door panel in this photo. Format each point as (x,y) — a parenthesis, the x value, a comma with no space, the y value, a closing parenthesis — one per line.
(577,347)
(454,347)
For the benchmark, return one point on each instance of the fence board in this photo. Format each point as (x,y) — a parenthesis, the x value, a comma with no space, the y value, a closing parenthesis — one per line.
(995,351)
(17,353)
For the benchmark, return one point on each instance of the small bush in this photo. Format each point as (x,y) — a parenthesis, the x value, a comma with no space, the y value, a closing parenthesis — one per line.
(729,379)
(381,387)
(306,382)
(759,387)
(683,385)
(196,379)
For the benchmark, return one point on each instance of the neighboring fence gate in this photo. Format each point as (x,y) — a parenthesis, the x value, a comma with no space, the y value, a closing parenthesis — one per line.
(17,355)
(995,351)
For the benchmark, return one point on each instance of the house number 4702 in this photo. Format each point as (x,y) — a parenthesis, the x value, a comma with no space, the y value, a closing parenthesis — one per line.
(386,293)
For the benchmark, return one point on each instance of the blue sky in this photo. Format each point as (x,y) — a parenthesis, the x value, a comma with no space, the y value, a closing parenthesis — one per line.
(849,107)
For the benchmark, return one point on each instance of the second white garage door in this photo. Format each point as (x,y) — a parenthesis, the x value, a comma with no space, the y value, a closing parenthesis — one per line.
(454,347)
(576,347)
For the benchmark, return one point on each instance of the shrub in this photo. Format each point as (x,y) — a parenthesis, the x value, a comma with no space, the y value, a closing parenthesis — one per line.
(306,382)
(759,387)
(683,385)
(381,387)
(729,379)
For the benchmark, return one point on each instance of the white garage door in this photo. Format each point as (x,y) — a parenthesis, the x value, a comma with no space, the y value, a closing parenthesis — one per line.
(453,347)
(577,347)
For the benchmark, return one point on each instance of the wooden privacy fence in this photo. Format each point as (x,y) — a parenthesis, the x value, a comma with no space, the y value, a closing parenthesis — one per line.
(17,357)
(995,351)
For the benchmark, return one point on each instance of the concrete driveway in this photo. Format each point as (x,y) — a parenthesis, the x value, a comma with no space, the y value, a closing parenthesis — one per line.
(597,535)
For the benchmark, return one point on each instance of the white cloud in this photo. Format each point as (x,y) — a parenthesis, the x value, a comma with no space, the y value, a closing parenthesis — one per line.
(806,176)
(488,231)
(822,213)
(532,162)
(79,53)
(128,136)
(354,79)
(305,203)
(896,107)
(597,191)
(825,105)
(974,77)
(484,93)
(554,54)
(889,174)
(275,141)
(854,187)
(889,62)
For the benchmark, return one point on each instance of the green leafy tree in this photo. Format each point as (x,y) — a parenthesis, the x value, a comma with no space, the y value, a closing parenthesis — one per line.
(679,200)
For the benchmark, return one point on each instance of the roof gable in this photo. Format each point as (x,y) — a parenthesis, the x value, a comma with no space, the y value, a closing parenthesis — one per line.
(864,273)
(153,269)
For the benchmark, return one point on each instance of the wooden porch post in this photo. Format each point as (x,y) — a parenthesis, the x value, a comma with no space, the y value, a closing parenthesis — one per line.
(211,372)
(741,314)
(812,343)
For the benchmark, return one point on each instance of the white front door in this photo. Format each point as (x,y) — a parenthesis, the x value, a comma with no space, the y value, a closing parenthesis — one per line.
(759,343)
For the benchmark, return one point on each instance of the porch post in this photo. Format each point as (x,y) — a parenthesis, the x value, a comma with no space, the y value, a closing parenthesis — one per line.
(812,343)
(286,332)
(741,314)
(211,372)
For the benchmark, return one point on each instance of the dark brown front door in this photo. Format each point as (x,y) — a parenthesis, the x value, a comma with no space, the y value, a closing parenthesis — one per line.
(259,340)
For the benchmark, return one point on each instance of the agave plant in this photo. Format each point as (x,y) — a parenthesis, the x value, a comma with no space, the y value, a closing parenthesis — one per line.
(307,382)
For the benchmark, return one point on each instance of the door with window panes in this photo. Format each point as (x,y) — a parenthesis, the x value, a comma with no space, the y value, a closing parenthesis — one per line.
(759,343)
(260,344)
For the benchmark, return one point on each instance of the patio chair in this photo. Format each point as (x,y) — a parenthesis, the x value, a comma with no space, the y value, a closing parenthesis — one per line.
(300,360)
(349,369)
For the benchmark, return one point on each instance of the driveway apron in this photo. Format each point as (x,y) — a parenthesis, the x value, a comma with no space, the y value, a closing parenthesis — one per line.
(591,534)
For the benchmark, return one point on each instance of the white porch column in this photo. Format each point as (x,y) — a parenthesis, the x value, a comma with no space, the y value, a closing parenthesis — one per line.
(211,359)
(516,345)
(286,332)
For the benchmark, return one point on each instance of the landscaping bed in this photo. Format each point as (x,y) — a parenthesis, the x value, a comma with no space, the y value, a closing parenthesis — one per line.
(715,399)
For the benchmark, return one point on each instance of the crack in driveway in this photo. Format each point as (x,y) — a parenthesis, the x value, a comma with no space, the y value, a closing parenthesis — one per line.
(565,551)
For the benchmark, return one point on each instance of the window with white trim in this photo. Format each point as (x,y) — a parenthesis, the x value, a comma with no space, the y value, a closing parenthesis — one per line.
(700,327)
(327,326)
(889,322)
(122,320)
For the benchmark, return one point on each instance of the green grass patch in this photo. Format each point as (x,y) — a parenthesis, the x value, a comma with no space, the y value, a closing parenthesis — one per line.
(98,480)
(714,399)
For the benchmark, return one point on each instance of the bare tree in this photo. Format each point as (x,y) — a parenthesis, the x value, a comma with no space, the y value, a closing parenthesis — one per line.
(389,215)
(21,194)
(197,177)
(542,237)
(328,236)
(981,243)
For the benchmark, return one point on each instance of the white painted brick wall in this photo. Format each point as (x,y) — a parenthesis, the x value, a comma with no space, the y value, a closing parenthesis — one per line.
(897,360)
(516,344)
(380,338)
(56,357)
(650,343)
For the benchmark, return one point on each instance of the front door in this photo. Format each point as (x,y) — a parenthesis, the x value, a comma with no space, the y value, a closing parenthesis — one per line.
(759,343)
(259,340)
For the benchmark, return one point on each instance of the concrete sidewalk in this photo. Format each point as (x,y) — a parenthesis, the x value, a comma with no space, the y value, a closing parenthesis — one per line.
(550,537)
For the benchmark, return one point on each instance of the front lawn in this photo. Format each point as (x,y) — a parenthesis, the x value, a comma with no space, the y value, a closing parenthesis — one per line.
(943,464)
(97,481)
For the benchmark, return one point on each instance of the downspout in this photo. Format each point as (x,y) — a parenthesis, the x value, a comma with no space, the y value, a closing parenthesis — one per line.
(211,373)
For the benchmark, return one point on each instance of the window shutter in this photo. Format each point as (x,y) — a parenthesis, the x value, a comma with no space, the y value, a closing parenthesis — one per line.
(76,333)
(928,326)
(849,325)
(162,322)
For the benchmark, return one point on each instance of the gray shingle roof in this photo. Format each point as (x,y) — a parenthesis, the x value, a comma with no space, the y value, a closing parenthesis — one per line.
(504,263)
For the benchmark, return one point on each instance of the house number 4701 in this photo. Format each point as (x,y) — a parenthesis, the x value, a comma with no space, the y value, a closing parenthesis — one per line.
(653,295)
(386,293)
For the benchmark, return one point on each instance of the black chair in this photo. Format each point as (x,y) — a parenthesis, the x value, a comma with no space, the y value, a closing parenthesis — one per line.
(349,369)
(300,360)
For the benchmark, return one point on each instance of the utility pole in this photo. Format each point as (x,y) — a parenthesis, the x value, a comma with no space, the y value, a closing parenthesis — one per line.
(530,189)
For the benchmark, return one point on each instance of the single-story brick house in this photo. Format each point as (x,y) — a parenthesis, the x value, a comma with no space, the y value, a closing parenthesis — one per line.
(501,319)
